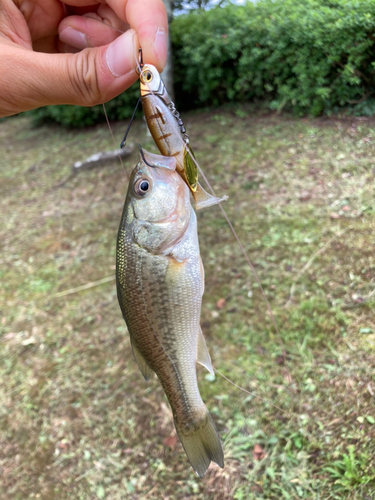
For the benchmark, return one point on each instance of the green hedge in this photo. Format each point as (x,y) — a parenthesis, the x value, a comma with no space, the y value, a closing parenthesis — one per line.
(310,56)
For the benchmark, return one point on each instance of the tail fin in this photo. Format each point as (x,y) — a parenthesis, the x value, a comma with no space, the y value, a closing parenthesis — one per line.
(203,199)
(202,445)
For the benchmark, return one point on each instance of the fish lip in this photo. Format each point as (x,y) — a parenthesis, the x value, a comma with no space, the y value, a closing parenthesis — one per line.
(158,161)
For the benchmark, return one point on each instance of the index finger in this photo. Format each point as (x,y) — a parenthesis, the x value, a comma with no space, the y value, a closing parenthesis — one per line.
(149,19)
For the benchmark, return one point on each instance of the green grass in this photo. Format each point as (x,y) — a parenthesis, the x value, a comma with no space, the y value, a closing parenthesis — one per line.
(77,420)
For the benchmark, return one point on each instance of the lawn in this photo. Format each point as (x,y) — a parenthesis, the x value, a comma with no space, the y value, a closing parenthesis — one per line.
(77,420)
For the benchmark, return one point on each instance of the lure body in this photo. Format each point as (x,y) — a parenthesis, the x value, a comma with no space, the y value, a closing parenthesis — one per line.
(169,133)
(160,282)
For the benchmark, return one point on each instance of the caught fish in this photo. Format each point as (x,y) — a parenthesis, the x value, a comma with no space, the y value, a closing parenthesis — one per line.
(169,133)
(160,283)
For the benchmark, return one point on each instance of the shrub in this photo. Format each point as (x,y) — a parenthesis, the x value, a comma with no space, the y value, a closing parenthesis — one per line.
(310,56)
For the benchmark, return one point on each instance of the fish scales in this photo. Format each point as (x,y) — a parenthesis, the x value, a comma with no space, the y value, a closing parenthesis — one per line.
(157,315)
(160,287)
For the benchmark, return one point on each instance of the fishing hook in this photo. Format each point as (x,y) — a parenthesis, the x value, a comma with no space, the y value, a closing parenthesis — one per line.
(143,157)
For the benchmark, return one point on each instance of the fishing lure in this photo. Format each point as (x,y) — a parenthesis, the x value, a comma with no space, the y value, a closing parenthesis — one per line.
(169,132)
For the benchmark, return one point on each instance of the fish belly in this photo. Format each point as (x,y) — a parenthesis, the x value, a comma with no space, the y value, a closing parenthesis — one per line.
(162,303)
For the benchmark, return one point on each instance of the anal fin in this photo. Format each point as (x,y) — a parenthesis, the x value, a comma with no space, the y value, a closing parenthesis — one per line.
(203,356)
(141,362)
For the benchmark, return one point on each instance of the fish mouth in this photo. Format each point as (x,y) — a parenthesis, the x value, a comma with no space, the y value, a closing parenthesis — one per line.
(167,220)
(175,241)
(157,161)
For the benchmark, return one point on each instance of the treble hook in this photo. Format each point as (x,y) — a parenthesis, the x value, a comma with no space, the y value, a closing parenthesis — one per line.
(143,157)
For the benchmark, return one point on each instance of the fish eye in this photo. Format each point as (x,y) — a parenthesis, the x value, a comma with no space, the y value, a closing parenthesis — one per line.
(142,187)
(147,76)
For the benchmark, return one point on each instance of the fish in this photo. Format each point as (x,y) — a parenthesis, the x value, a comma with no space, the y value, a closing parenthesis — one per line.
(169,133)
(160,283)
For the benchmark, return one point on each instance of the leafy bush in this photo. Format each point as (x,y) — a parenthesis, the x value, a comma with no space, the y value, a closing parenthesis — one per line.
(313,57)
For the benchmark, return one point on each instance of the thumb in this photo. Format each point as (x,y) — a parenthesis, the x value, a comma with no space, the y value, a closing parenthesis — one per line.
(87,78)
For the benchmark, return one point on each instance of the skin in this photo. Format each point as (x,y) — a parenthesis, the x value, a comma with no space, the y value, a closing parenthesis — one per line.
(62,53)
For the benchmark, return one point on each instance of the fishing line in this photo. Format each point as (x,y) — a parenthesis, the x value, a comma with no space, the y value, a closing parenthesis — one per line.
(248,261)
(269,308)
(248,392)
(103,22)
(114,142)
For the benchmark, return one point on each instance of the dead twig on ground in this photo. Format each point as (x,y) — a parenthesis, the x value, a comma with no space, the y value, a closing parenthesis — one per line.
(85,287)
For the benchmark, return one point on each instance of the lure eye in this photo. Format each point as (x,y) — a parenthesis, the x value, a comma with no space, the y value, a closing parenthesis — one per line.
(142,187)
(147,76)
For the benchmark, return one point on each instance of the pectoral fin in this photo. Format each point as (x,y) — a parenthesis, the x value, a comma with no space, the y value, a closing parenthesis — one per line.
(143,366)
(203,356)
(203,199)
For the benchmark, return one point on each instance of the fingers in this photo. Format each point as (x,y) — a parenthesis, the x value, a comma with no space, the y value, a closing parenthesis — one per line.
(92,76)
(147,17)
(92,29)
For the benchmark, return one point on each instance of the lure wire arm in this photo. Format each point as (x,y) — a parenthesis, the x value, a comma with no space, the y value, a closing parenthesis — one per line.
(130,124)
(138,70)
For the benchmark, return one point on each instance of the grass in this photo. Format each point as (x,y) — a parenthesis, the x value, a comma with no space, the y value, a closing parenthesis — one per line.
(77,420)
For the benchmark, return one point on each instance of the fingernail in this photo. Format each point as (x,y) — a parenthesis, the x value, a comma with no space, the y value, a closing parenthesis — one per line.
(160,45)
(122,53)
(73,37)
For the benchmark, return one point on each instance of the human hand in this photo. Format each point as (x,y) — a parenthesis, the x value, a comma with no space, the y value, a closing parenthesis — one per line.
(73,52)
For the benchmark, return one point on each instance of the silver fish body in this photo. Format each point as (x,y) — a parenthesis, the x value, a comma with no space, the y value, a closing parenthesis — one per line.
(160,282)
